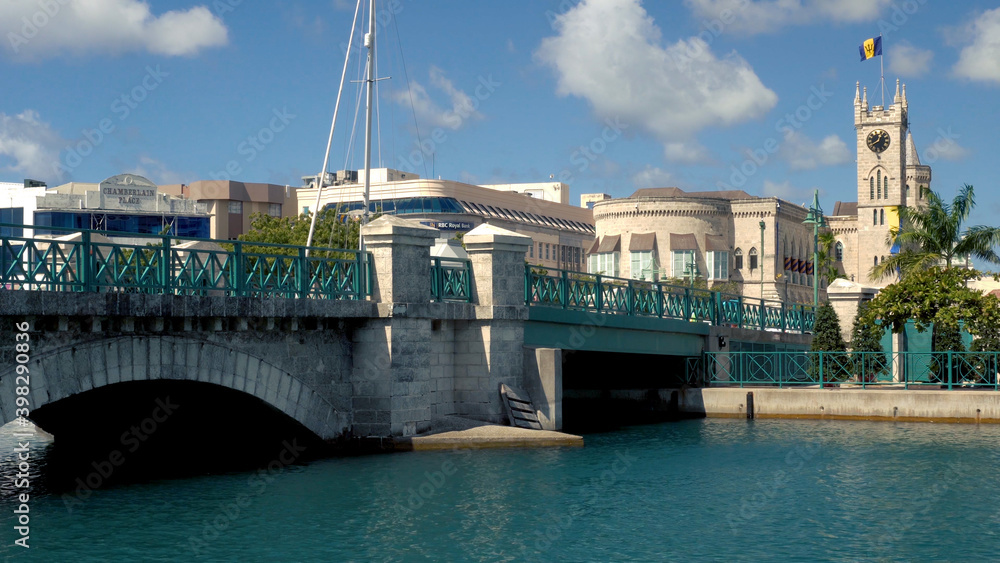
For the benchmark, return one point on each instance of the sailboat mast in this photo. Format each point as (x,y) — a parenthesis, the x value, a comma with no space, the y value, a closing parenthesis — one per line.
(370,84)
(321,179)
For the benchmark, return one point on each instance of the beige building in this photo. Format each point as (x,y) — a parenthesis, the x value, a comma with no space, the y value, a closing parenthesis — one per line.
(561,233)
(588,200)
(662,233)
(233,203)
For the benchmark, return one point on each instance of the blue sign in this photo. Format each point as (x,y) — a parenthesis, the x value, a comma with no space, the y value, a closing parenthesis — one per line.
(449,225)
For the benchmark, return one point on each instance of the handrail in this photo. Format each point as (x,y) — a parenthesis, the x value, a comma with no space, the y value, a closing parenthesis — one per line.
(942,369)
(239,268)
(451,279)
(569,289)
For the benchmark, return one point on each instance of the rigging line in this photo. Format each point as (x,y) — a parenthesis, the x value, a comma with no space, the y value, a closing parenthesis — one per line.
(409,91)
(357,109)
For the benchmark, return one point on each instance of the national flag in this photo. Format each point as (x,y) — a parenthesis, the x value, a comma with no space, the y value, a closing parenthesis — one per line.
(871,48)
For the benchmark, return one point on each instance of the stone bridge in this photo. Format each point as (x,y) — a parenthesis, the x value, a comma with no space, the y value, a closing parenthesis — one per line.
(385,366)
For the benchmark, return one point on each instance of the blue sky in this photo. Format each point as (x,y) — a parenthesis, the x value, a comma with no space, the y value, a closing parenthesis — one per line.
(609,95)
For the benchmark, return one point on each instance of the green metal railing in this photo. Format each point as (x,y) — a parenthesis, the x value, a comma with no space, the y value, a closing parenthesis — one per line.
(948,370)
(604,294)
(451,279)
(165,265)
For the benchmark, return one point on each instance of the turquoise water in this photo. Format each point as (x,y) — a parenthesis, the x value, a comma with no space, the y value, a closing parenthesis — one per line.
(705,490)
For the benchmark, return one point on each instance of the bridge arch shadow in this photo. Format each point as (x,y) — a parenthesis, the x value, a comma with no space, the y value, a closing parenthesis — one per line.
(85,367)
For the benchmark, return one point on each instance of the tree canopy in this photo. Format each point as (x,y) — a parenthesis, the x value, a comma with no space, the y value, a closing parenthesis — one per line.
(931,234)
(331,231)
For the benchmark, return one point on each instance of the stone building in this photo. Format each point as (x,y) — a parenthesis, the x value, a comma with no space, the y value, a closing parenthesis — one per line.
(761,242)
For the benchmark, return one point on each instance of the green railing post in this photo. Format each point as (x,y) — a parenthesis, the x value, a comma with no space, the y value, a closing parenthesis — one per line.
(950,378)
(527,284)
(739,315)
(821,369)
(599,301)
(762,313)
(717,308)
(687,304)
(302,271)
(659,300)
(166,269)
(88,263)
(784,319)
(564,289)
(236,269)
(630,298)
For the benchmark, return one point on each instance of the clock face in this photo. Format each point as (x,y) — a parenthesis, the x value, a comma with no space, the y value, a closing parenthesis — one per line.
(878,140)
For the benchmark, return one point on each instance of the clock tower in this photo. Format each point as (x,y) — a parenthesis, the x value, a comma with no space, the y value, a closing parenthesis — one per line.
(881,144)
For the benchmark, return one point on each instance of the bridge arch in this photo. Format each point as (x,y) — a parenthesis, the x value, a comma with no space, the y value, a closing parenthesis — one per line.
(80,368)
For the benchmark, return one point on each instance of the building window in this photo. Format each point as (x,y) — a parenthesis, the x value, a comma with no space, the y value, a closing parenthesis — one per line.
(274,210)
(718,265)
(643,265)
(876,260)
(12,216)
(236,208)
(739,258)
(878,185)
(606,264)
(881,216)
(547,247)
(531,251)
(871,186)
(683,263)
(874,216)
(839,251)
(753,259)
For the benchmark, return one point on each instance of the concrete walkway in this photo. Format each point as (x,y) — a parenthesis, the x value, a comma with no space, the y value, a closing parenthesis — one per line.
(461,433)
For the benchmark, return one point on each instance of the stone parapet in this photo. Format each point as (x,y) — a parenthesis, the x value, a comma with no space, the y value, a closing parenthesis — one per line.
(401,255)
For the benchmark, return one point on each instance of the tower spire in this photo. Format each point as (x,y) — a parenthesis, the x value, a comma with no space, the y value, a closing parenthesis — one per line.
(897,99)
(904,96)
(857,93)
(864,98)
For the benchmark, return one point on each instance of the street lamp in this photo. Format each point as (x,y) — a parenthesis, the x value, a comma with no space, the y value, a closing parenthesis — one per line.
(763,226)
(816,219)
(691,270)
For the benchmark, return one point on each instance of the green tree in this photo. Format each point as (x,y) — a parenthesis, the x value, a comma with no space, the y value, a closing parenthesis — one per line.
(826,258)
(930,296)
(333,230)
(827,338)
(867,357)
(932,234)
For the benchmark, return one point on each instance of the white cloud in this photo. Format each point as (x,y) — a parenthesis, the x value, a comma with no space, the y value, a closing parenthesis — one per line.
(686,153)
(30,144)
(105,26)
(784,190)
(943,149)
(803,153)
(610,53)
(981,59)
(907,60)
(429,113)
(762,16)
(652,177)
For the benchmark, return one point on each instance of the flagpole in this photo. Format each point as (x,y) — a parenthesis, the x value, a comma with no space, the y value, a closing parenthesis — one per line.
(881,68)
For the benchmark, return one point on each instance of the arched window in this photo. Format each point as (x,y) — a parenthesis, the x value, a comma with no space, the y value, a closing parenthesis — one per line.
(876,260)
(878,185)
(839,251)
(874,216)
(871,186)
(881,216)
(753,258)
(738,255)
(907,190)
(883,259)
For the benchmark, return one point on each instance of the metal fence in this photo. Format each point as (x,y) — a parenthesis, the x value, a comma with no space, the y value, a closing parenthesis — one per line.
(87,261)
(948,370)
(451,280)
(603,294)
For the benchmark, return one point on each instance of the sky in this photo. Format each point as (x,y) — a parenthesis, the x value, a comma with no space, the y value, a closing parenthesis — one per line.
(605,95)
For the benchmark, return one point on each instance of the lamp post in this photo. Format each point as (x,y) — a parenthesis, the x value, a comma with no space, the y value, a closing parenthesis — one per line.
(763,226)
(816,219)
(691,270)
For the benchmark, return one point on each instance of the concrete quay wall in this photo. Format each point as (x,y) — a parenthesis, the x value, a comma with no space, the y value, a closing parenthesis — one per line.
(964,406)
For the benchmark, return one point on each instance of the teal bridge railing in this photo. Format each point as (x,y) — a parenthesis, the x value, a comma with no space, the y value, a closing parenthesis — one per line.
(86,261)
(948,370)
(604,294)
(451,280)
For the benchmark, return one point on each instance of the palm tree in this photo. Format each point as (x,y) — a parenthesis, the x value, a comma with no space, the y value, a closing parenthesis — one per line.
(933,234)
(826,259)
